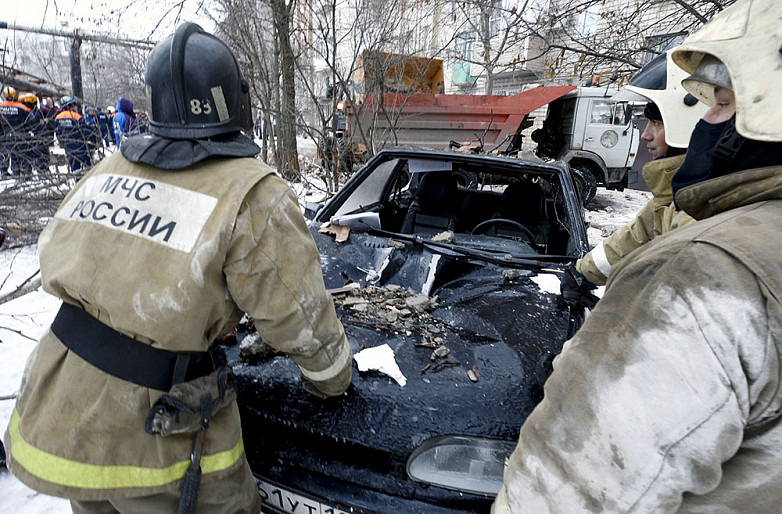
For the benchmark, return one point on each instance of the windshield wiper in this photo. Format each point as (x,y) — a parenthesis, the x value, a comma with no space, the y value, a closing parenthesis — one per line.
(507,259)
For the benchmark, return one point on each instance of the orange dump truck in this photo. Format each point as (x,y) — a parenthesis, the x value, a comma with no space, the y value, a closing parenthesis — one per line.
(398,102)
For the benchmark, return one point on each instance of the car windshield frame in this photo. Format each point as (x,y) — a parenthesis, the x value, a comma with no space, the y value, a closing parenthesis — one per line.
(388,173)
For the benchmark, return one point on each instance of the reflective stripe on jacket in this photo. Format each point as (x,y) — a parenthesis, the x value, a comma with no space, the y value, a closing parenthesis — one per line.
(13,122)
(657,217)
(70,473)
(172,259)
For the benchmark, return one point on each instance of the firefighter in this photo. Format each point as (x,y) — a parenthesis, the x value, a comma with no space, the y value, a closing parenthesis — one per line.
(74,134)
(672,114)
(156,253)
(36,149)
(13,132)
(668,399)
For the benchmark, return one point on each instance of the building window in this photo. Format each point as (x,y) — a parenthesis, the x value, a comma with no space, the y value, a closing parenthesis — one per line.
(462,58)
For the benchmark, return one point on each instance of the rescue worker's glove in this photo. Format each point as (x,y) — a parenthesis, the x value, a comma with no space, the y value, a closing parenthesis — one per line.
(576,289)
(181,410)
(544,368)
(332,387)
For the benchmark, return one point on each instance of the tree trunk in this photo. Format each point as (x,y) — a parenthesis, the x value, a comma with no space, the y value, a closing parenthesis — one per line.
(487,47)
(286,124)
(274,83)
(76,84)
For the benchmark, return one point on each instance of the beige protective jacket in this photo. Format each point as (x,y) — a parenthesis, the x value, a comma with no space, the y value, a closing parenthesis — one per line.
(669,398)
(656,218)
(172,259)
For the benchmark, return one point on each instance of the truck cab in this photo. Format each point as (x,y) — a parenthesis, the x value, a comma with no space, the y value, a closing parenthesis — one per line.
(594,134)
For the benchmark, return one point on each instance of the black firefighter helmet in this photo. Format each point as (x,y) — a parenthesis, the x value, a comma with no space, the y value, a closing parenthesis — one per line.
(195,88)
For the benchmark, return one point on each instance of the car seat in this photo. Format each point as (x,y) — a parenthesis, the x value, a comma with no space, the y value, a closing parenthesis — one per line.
(433,210)
(524,202)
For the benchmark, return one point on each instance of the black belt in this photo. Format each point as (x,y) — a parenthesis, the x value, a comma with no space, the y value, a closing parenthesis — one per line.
(128,359)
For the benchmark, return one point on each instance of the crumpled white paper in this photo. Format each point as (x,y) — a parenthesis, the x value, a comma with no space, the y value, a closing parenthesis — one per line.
(548,282)
(380,358)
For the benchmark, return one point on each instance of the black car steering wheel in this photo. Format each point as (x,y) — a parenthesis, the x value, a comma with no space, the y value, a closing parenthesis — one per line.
(482,227)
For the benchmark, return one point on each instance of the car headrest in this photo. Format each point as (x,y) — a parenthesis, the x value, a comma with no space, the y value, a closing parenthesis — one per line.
(436,190)
(521,200)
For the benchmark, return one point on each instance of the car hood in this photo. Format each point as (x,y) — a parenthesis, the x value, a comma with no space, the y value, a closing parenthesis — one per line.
(497,325)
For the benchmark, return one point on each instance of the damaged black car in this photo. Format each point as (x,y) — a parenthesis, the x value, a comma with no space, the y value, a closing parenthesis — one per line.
(445,272)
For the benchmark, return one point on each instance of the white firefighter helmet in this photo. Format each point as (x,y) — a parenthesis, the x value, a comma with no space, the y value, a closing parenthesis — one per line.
(745,38)
(660,82)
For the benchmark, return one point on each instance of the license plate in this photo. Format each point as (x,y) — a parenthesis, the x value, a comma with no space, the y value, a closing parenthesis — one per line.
(284,500)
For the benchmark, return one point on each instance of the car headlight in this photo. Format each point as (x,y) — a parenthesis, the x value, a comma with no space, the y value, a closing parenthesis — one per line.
(467,464)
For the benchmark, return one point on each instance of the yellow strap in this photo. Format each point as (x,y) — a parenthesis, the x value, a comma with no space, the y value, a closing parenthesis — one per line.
(59,470)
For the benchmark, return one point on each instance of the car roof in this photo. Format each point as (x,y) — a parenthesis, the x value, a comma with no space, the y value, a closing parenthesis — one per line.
(503,161)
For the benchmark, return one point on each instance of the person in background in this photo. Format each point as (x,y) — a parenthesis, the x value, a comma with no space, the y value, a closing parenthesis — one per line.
(35,149)
(142,118)
(111,111)
(49,112)
(13,132)
(128,404)
(672,114)
(125,123)
(91,119)
(669,397)
(105,127)
(74,134)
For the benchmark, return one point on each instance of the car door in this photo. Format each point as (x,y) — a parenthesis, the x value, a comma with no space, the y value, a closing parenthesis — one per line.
(609,132)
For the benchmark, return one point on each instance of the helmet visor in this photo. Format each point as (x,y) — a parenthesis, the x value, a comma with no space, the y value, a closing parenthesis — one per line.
(708,75)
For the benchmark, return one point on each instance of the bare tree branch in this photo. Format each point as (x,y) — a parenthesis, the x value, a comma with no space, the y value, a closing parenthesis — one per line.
(690,9)
(31,284)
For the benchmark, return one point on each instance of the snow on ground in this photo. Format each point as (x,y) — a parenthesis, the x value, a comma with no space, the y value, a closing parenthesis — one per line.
(612,209)
(23,321)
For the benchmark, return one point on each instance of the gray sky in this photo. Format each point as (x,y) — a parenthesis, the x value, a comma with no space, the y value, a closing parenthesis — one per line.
(139,17)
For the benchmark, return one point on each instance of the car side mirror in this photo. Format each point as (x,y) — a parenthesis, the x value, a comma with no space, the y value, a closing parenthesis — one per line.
(311,210)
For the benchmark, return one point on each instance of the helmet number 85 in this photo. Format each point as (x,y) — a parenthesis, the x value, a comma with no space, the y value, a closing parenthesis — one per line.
(196,107)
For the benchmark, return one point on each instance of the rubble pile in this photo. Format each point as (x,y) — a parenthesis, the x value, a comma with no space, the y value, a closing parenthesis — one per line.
(400,310)
(393,308)
(384,308)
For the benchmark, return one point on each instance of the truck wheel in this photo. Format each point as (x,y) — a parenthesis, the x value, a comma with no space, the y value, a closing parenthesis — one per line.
(586,183)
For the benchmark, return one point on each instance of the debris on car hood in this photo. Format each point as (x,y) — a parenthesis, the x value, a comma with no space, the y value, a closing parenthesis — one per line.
(380,358)
(387,304)
(341,233)
(444,237)
(487,331)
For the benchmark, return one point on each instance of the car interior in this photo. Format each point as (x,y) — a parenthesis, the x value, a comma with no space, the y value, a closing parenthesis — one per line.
(426,197)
